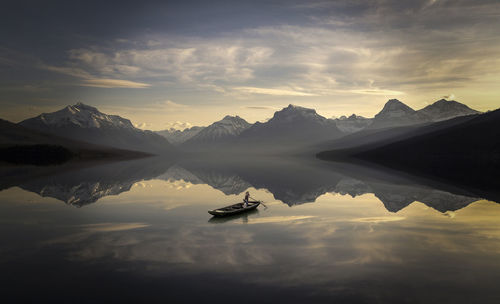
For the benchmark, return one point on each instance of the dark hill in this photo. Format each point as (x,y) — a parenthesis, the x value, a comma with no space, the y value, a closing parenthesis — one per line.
(468,152)
(21,145)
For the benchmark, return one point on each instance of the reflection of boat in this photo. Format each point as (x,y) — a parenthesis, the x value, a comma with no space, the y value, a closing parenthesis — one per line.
(234,209)
(232,218)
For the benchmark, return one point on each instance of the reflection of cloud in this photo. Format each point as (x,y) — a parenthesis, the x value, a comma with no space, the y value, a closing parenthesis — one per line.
(380,219)
(312,252)
(182,246)
(278,219)
(142,185)
(449,214)
(108,227)
(178,184)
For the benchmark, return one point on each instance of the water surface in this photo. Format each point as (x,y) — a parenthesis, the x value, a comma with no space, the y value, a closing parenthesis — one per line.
(330,233)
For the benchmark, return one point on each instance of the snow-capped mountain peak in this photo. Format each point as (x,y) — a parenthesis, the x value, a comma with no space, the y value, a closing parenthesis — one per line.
(225,129)
(83,116)
(86,123)
(446,109)
(352,123)
(232,124)
(395,113)
(177,137)
(294,113)
(395,108)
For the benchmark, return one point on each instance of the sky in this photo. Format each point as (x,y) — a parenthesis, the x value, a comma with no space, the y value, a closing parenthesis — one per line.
(166,64)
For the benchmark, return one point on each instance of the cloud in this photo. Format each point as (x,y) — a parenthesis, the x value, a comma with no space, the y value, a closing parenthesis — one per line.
(143,125)
(355,54)
(277,92)
(90,81)
(113,83)
(361,50)
(377,92)
(178,125)
(260,108)
(196,61)
(449,97)
(169,104)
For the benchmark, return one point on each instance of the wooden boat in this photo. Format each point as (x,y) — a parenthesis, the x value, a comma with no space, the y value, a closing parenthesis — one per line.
(234,209)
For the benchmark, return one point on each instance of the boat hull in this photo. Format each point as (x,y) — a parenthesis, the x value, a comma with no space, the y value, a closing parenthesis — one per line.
(234,209)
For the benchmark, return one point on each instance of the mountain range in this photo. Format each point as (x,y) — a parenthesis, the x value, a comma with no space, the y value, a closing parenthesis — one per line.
(296,126)
(468,151)
(220,132)
(353,123)
(290,181)
(465,149)
(27,146)
(396,114)
(289,130)
(177,137)
(85,123)
(290,127)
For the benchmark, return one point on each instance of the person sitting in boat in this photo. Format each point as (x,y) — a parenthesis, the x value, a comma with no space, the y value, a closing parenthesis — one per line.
(245,200)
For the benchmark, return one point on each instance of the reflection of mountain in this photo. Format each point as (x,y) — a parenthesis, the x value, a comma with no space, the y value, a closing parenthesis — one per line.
(396,198)
(296,182)
(82,186)
(292,181)
(81,194)
(226,182)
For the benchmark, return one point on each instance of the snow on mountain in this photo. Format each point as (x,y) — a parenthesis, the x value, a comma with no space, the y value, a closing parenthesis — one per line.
(446,109)
(353,123)
(294,113)
(86,123)
(177,137)
(396,113)
(178,173)
(84,193)
(220,131)
(84,116)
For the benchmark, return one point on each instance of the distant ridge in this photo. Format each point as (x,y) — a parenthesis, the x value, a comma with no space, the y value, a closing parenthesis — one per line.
(446,109)
(353,123)
(464,149)
(292,126)
(178,137)
(394,114)
(220,132)
(397,114)
(21,145)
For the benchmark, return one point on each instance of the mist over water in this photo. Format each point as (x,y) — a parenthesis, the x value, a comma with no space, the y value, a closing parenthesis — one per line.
(343,232)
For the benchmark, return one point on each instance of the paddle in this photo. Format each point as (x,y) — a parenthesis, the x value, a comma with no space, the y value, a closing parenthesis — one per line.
(259,201)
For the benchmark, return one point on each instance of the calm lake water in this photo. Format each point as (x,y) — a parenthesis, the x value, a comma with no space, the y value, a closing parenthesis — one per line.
(331,233)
